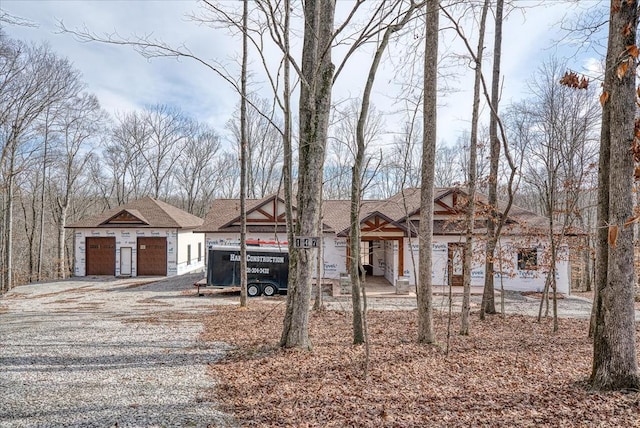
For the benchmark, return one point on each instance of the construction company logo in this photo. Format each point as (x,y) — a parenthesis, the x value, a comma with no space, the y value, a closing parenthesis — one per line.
(254,258)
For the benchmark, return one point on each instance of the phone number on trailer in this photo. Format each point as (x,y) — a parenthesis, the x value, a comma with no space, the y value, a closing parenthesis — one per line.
(263,270)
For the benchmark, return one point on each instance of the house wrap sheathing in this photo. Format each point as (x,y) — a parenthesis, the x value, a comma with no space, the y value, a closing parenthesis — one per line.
(146,237)
(389,241)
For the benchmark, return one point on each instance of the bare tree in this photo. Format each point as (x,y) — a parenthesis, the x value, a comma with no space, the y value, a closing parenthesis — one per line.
(79,124)
(562,122)
(32,79)
(244,152)
(615,364)
(356,270)
(121,155)
(167,130)
(488,295)
(264,146)
(315,102)
(424,289)
(195,171)
(471,182)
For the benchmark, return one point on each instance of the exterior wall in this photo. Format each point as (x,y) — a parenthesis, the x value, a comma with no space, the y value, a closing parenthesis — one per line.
(386,259)
(512,279)
(379,261)
(335,256)
(124,238)
(186,238)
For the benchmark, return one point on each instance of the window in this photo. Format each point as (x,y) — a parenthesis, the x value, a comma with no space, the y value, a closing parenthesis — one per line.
(199,251)
(189,254)
(366,253)
(528,259)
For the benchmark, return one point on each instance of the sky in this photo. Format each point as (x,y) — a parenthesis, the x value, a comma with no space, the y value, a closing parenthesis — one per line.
(123,80)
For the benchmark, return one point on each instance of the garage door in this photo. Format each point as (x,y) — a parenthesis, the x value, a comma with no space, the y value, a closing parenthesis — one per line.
(101,256)
(152,256)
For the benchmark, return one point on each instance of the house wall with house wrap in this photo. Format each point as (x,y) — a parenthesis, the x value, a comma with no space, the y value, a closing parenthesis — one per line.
(176,245)
(389,238)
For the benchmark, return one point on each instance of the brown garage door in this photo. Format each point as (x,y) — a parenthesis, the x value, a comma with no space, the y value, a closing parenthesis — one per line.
(152,256)
(101,256)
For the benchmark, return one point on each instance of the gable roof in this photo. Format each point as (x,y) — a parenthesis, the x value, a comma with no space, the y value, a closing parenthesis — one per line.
(146,212)
(225,213)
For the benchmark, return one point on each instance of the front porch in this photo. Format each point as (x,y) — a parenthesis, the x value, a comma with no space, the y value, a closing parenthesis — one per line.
(378,286)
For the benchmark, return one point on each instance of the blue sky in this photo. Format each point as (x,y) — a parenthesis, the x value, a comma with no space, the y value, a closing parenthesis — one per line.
(123,80)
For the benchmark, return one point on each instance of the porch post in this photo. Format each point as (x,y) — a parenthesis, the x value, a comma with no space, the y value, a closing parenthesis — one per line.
(400,256)
(348,255)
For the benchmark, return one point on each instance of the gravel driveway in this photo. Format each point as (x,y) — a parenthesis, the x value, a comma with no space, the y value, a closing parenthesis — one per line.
(104,353)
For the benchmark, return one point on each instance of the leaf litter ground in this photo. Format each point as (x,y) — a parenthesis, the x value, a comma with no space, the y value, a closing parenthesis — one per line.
(508,372)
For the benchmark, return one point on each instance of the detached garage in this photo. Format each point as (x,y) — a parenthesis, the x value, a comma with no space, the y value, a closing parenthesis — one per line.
(147,237)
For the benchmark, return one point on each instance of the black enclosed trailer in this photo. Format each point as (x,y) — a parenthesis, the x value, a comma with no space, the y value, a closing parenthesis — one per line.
(267,269)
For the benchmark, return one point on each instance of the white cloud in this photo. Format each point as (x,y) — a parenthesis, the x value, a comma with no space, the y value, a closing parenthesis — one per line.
(124,80)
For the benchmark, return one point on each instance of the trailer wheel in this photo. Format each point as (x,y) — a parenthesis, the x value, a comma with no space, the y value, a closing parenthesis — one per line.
(253,290)
(269,290)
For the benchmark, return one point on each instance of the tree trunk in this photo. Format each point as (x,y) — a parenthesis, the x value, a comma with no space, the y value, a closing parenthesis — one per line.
(488,305)
(243,161)
(424,296)
(359,321)
(315,103)
(614,347)
(8,234)
(473,157)
(61,265)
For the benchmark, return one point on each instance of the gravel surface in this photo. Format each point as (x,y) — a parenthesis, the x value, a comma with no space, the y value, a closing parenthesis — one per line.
(103,353)
(514,303)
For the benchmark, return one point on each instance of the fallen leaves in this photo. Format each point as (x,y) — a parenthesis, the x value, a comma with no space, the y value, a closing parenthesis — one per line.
(509,372)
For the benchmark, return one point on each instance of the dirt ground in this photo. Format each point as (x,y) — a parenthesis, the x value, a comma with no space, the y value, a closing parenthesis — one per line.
(508,372)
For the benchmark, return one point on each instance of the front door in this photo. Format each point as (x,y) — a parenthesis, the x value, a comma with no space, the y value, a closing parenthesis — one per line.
(125,261)
(455,264)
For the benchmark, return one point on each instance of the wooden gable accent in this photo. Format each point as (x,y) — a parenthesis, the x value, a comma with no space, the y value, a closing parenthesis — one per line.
(125,217)
(380,225)
(271,211)
(445,205)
